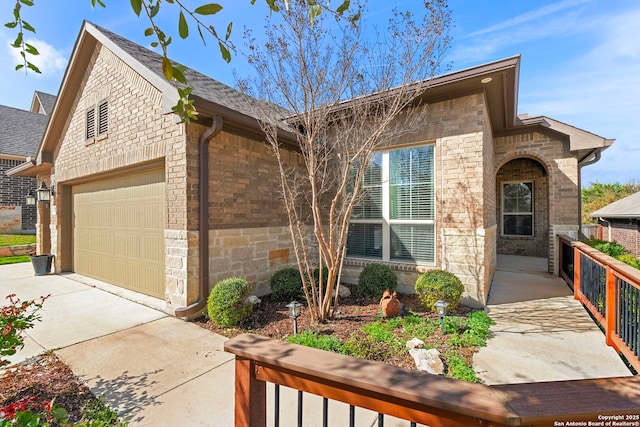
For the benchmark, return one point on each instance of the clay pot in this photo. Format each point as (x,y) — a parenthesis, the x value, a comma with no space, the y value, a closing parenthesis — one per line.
(389,304)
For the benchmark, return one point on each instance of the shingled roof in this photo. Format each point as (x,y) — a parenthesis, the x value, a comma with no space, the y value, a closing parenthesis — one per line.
(204,87)
(629,207)
(46,101)
(20,131)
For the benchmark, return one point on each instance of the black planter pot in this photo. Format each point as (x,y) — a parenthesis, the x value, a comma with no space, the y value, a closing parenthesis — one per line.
(41,264)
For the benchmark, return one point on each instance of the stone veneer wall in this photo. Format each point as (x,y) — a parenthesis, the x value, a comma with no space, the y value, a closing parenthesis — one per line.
(252,253)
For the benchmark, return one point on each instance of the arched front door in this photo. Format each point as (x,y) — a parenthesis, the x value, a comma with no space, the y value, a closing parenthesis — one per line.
(522,206)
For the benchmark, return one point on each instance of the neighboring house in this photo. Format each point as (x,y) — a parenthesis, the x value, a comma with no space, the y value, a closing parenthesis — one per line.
(620,222)
(168,209)
(20,135)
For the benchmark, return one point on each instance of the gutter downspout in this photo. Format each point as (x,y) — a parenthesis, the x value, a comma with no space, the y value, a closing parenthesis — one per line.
(203,221)
(608,227)
(582,163)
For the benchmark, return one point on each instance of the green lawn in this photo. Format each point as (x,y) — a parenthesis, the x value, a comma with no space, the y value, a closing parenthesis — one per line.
(14,259)
(17,239)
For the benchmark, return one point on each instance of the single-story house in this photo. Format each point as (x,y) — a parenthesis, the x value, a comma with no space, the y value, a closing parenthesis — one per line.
(167,209)
(620,222)
(20,135)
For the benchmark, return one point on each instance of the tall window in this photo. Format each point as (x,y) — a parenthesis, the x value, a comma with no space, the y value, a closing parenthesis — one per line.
(517,209)
(395,219)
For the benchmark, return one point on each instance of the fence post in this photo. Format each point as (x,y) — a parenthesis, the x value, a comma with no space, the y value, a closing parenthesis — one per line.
(251,395)
(576,274)
(610,308)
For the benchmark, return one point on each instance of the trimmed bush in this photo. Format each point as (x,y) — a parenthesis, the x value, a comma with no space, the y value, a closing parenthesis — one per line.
(437,285)
(286,285)
(374,279)
(316,274)
(227,305)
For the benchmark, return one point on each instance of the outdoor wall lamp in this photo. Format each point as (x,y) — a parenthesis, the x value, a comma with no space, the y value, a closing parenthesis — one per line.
(30,198)
(294,313)
(44,193)
(441,311)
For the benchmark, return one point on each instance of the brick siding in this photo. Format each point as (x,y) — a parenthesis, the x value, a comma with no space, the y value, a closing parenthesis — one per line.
(625,232)
(13,190)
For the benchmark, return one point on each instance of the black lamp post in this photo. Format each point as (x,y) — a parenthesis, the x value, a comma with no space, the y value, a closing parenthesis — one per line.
(294,313)
(441,310)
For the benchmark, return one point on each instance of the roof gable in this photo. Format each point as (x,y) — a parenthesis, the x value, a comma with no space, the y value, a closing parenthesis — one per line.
(42,103)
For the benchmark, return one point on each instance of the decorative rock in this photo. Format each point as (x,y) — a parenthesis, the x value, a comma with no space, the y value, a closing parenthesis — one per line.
(343,292)
(415,343)
(252,299)
(427,360)
(389,304)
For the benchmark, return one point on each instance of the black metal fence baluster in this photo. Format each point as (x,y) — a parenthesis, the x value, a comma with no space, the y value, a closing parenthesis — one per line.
(299,409)
(276,405)
(325,412)
(380,420)
(352,416)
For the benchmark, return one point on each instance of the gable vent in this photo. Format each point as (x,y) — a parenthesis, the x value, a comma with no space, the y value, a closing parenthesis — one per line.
(91,124)
(103,118)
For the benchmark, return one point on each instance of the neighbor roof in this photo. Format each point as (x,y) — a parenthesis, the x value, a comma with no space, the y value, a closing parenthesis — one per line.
(629,207)
(20,131)
(45,101)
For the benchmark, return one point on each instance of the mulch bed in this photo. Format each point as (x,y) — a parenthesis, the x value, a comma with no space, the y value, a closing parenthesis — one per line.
(271,319)
(47,377)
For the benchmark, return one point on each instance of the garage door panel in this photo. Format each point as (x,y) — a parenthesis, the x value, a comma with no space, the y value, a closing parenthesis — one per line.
(119,231)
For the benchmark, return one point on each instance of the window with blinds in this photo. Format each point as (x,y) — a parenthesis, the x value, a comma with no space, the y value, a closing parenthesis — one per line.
(517,209)
(394,220)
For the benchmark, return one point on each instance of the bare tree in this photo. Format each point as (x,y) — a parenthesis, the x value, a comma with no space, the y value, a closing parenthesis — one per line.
(349,91)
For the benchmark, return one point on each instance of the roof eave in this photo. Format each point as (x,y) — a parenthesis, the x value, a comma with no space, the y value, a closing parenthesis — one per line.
(29,169)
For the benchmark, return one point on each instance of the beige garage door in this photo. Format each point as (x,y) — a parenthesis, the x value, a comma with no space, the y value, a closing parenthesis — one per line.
(119,231)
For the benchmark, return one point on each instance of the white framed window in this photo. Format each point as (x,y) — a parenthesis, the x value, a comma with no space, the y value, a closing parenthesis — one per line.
(517,209)
(97,121)
(395,219)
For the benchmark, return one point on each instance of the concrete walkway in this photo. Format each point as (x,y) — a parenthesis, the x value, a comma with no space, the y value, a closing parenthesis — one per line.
(541,333)
(160,371)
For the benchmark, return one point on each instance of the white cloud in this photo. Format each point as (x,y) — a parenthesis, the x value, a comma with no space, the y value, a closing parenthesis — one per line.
(50,61)
(530,16)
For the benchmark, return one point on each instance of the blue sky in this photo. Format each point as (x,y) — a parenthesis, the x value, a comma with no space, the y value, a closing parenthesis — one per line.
(580,58)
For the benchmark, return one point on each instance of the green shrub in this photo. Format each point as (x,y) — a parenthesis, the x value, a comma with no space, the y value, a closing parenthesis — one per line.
(609,248)
(630,260)
(316,274)
(286,285)
(227,305)
(437,285)
(374,279)
(321,342)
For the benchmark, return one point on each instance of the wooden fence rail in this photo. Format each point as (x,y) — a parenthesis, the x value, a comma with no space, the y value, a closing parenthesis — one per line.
(610,290)
(417,396)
